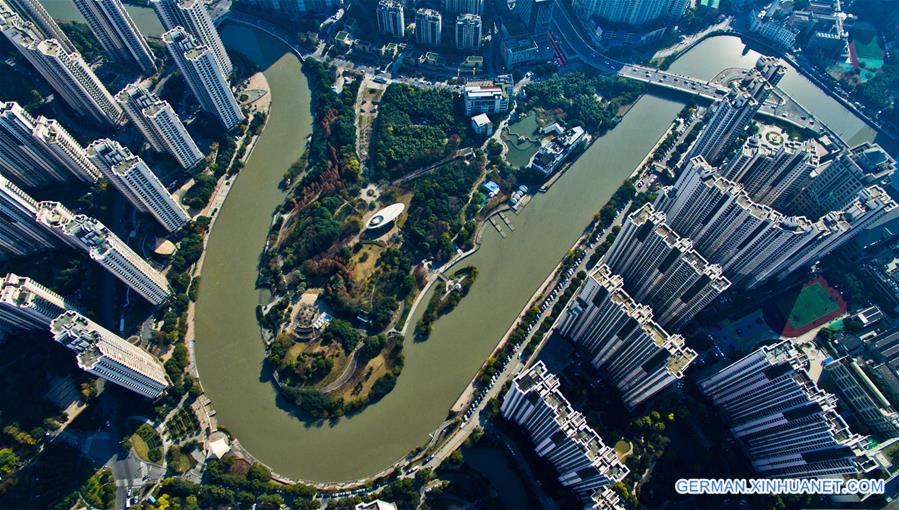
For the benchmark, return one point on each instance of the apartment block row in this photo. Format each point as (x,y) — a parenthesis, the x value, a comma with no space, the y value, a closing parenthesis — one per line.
(788,426)
(38,151)
(27,225)
(26,304)
(192,40)
(622,340)
(751,241)
(562,436)
(662,270)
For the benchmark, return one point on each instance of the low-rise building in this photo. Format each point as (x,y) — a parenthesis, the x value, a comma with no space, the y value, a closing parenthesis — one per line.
(550,156)
(526,49)
(482,125)
(485,99)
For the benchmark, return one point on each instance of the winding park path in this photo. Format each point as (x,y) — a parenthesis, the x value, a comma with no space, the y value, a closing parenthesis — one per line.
(346,375)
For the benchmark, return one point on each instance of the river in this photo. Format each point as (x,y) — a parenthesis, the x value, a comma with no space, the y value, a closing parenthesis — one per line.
(144,17)
(230,352)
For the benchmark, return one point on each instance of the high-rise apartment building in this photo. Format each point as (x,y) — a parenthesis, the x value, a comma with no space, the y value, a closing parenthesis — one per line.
(159,124)
(836,182)
(205,78)
(193,17)
(26,304)
(118,34)
(390,19)
(622,340)
(468,32)
(753,242)
(134,179)
(19,233)
(662,270)
(428,27)
(102,353)
(104,247)
(36,152)
(631,12)
(772,69)
(727,120)
(33,11)
(534,14)
(772,176)
(789,426)
(561,435)
(863,397)
(66,72)
(463,7)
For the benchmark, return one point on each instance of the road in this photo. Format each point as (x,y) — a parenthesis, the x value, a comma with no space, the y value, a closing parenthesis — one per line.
(571,32)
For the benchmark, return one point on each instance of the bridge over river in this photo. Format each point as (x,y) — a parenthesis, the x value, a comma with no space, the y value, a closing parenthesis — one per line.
(779,106)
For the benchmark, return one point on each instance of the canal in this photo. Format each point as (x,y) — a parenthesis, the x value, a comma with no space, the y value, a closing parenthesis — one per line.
(229,349)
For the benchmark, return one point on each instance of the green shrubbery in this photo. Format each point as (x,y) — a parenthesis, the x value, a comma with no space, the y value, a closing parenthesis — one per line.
(415,127)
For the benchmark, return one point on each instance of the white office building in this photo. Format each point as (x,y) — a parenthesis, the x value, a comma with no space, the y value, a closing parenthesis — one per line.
(66,72)
(159,124)
(561,435)
(26,304)
(102,353)
(134,179)
(390,19)
(118,34)
(193,16)
(205,78)
(485,99)
(662,270)
(631,12)
(788,426)
(33,11)
(468,32)
(19,233)
(36,152)
(104,247)
(622,340)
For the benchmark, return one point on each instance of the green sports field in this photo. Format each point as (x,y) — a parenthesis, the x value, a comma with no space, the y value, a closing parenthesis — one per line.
(812,303)
(805,308)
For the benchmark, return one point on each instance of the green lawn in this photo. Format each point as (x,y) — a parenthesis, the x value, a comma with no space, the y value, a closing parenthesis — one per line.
(812,303)
(623,449)
(140,447)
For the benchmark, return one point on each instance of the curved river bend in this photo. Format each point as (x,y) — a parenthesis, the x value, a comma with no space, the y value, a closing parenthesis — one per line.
(228,347)
(230,354)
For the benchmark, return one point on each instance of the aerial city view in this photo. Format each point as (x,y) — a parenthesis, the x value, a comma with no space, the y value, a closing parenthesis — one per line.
(449,254)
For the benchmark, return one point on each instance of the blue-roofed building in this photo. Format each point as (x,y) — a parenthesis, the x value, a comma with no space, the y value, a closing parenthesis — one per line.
(491,188)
